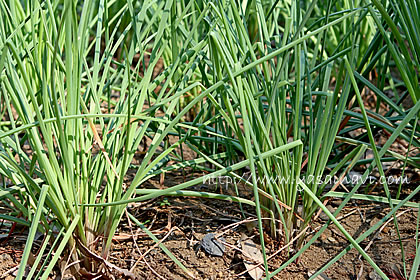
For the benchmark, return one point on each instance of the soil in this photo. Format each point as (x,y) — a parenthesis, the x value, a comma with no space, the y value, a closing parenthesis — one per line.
(196,217)
(384,251)
(182,223)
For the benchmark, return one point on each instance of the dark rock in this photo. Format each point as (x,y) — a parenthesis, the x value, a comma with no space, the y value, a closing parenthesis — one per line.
(212,246)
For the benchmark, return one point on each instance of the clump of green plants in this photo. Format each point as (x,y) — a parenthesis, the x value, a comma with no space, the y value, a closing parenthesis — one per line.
(273,95)
(72,121)
(276,89)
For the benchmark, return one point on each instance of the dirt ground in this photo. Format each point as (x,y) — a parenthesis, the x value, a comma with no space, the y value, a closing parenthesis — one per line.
(193,218)
(182,223)
(197,220)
